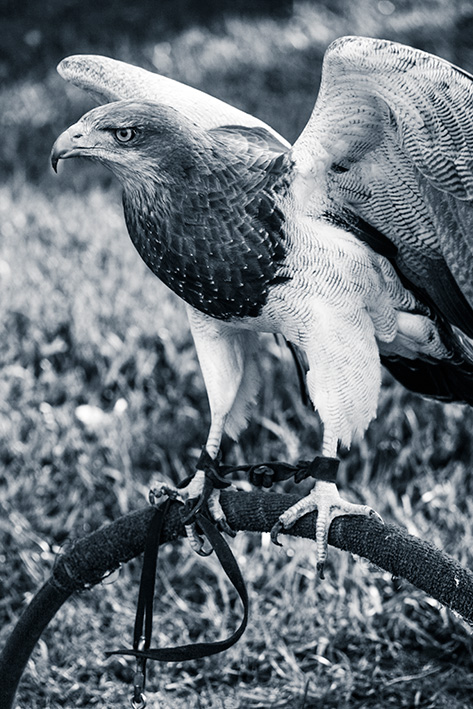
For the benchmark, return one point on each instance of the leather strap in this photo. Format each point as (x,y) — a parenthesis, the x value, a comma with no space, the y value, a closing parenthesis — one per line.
(213,481)
(323,468)
(142,637)
(266,474)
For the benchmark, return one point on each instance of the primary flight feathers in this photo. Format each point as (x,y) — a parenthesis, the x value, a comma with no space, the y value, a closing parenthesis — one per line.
(108,79)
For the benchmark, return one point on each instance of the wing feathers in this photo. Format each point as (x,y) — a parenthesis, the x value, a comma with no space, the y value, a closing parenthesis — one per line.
(446,381)
(391,138)
(111,80)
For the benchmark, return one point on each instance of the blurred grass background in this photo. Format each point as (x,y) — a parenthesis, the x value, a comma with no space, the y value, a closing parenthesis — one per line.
(100,391)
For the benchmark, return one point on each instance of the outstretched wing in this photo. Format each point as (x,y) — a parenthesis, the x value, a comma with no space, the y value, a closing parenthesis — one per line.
(390,142)
(108,79)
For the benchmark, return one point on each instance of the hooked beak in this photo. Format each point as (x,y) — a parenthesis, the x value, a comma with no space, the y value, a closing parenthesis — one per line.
(70,144)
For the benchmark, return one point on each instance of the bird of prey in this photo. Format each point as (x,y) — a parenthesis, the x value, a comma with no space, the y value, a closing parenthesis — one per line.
(355,243)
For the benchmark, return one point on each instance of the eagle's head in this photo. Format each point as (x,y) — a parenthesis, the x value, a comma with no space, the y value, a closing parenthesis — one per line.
(198,204)
(138,140)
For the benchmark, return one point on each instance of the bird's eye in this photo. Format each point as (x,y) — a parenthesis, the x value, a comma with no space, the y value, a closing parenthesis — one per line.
(124,135)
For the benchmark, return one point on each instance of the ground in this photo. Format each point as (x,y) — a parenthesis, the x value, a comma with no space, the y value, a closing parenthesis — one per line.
(100,393)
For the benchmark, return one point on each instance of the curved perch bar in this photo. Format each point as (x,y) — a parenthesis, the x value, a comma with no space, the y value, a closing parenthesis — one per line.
(89,559)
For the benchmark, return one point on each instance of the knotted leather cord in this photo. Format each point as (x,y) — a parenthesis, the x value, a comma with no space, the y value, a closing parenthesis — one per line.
(259,474)
(266,474)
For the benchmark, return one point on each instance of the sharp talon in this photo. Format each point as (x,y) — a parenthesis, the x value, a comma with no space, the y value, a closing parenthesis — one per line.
(275,531)
(203,551)
(376,516)
(224,527)
(196,541)
(153,498)
(163,490)
(320,569)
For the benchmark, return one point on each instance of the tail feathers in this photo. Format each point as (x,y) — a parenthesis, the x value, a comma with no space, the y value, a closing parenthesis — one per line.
(447,380)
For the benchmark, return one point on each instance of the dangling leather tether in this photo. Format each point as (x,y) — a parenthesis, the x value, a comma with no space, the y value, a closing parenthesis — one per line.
(144,612)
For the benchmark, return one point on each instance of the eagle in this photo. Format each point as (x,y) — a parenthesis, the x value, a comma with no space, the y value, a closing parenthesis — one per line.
(355,243)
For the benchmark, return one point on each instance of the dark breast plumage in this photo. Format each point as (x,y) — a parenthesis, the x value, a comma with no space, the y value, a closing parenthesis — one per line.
(217,237)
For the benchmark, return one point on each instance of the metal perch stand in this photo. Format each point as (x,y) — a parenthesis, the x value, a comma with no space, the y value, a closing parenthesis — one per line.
(89,559)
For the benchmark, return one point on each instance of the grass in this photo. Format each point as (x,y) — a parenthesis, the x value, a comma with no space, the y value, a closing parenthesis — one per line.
(100,393)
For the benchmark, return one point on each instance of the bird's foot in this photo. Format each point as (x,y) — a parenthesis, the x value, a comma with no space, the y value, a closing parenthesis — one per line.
(201,493)
(324,498)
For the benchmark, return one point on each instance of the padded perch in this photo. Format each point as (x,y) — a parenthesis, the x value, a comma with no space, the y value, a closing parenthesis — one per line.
(89,559)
